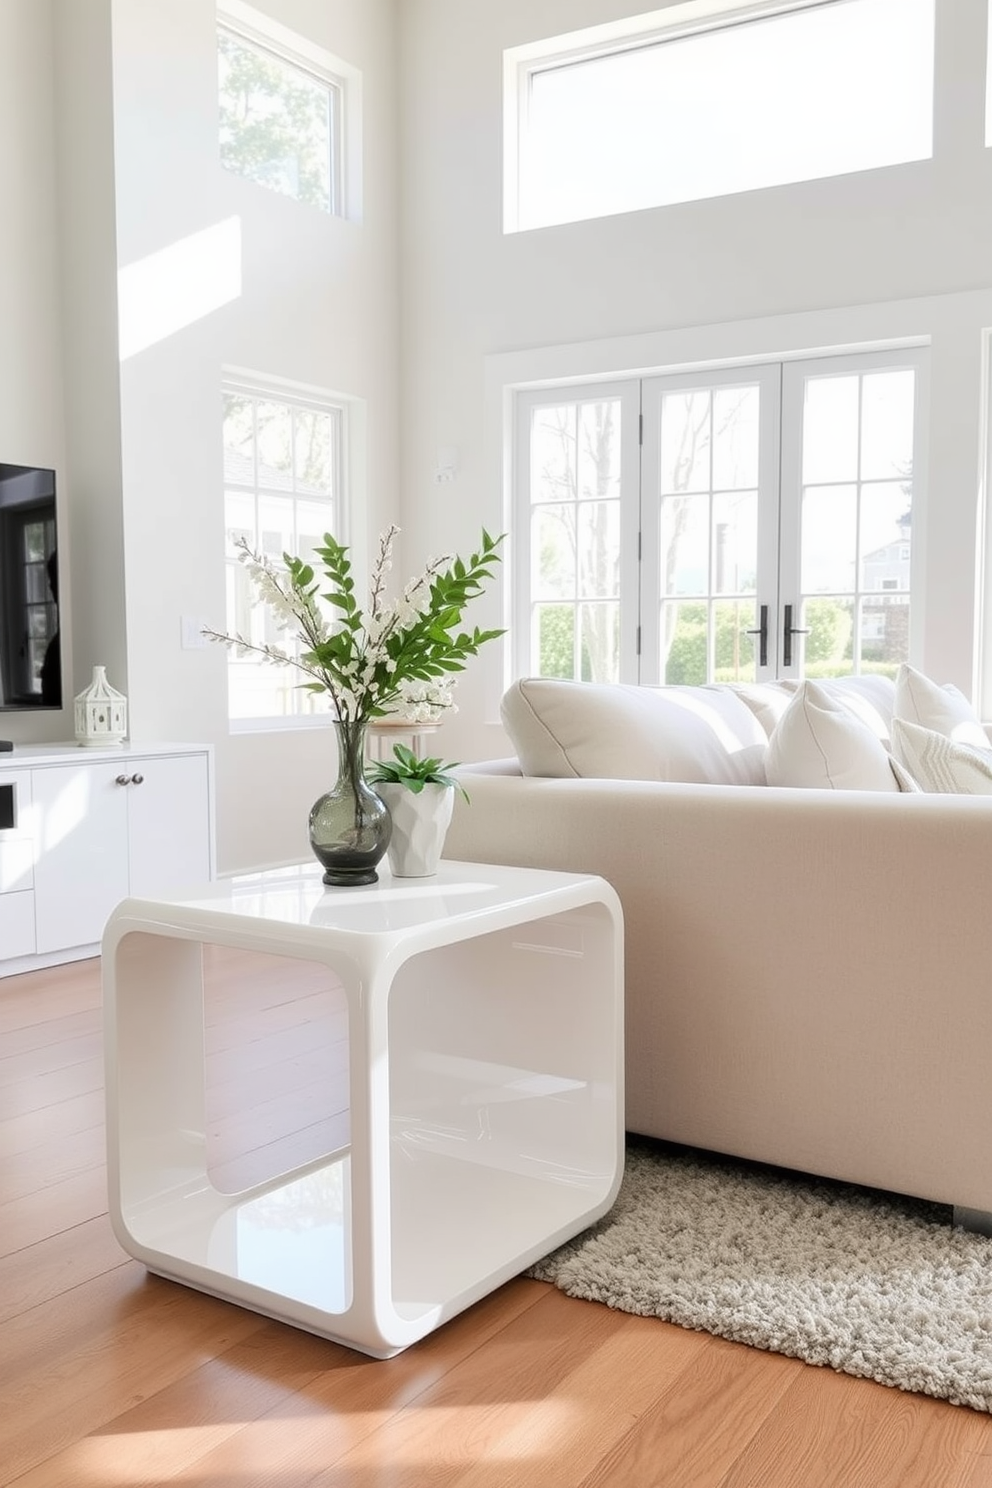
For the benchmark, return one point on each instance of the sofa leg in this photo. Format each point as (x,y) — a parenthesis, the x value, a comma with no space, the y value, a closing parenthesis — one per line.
(977,1220)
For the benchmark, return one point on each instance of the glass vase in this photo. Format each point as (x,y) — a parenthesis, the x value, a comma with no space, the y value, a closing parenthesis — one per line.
(350,825)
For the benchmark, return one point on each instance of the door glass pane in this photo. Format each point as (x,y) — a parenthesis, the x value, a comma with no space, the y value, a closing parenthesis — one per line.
(553,640)
(829,539)
(685,541)
(685,441)
(735,438)
(552,552)
(599,449)
(736,651)
(885,536)
(735,543)
(884,633)
(830,429)
(685,642)
(599,549)
(599,632)
(827,650)
(887,424)
(552,454)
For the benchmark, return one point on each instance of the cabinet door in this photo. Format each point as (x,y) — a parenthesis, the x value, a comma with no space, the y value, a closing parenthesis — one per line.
(80,871)
(168,823)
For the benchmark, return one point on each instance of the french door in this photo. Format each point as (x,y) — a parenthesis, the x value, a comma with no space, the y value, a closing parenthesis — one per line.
(727,525)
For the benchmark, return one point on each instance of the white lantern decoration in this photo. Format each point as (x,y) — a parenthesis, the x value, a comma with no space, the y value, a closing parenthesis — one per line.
(101,713)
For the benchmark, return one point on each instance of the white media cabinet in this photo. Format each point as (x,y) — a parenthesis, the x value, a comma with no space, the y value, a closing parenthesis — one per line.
(82,828)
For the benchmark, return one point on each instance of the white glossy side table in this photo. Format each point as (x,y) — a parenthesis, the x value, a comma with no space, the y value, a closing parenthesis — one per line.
(485,1035)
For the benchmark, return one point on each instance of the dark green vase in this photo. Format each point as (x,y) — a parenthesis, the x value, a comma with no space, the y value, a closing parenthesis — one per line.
(350,826)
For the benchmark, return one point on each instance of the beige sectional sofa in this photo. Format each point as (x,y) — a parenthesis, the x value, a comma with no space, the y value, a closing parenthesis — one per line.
(808,970)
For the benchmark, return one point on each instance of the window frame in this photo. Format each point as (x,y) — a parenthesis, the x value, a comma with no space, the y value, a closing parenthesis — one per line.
(311,399)
(627,391)
(689,19)
(252,28)
(782,380)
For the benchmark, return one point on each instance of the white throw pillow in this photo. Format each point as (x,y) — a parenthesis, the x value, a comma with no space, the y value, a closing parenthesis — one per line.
(944,709)
(869,697)
(940,764)
(819,742)
(618,731)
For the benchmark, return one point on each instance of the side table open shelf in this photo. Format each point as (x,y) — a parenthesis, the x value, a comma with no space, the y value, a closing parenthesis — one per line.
(485,1052)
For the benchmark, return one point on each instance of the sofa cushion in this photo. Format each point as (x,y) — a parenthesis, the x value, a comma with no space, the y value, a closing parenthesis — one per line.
(871,698)
(821,742)
(618,731)
(942,708)
(940,764)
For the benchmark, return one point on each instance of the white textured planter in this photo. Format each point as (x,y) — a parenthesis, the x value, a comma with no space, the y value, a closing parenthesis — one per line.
(420,822)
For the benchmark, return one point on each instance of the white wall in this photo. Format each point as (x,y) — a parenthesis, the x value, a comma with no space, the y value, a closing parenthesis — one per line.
(109,157)
(788,268)
(32,428)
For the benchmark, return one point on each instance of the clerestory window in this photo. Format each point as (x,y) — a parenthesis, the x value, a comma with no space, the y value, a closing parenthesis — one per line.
(705,99)
(281,116)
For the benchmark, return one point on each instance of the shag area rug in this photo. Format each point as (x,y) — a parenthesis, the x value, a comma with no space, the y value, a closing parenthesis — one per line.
(865,1282)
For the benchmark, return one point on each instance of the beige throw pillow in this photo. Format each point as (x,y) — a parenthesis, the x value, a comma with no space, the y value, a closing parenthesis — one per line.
(819,742)
(618,731)
(939,764)
(944,709)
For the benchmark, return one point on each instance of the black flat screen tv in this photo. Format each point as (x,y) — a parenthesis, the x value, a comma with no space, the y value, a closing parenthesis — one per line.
(30,654)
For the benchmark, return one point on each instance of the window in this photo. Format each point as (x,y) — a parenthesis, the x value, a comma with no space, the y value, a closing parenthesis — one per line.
(728,525)
(280,121)
(283,463)
(696,104)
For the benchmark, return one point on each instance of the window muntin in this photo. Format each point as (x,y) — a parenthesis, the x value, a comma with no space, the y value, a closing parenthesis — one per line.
(742,104)
(280,122)
(283,464)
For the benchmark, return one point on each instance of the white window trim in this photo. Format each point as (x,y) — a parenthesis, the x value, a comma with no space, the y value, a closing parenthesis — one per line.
(258,29)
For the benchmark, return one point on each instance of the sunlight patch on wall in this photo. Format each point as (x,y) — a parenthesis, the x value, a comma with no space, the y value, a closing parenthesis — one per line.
(179,285)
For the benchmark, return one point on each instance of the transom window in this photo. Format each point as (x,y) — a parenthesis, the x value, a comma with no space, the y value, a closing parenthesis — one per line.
(696,104)
(280,121)
(282,492)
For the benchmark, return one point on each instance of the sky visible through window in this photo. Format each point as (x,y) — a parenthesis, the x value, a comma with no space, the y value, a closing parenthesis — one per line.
(842,87)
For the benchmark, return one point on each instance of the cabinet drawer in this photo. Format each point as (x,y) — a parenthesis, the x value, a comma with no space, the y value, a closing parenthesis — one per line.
(17,936)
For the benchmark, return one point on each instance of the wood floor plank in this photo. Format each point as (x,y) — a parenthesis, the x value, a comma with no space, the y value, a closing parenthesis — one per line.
(56,1265)
(701,1422)
(51,1162)
(80,1360)
(35,1129)
(50,1210)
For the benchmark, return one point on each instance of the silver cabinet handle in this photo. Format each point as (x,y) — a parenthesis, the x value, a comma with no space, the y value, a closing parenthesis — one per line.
(137,779)
(123,780)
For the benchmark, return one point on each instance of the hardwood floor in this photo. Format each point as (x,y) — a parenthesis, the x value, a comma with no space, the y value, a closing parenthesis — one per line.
(112,1378)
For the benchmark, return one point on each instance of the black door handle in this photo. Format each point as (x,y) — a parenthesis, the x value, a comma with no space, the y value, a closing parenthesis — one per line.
(788,631)
(761,631)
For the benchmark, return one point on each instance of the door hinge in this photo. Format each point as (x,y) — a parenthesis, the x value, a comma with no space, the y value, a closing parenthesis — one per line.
(640,428)
(638,641)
